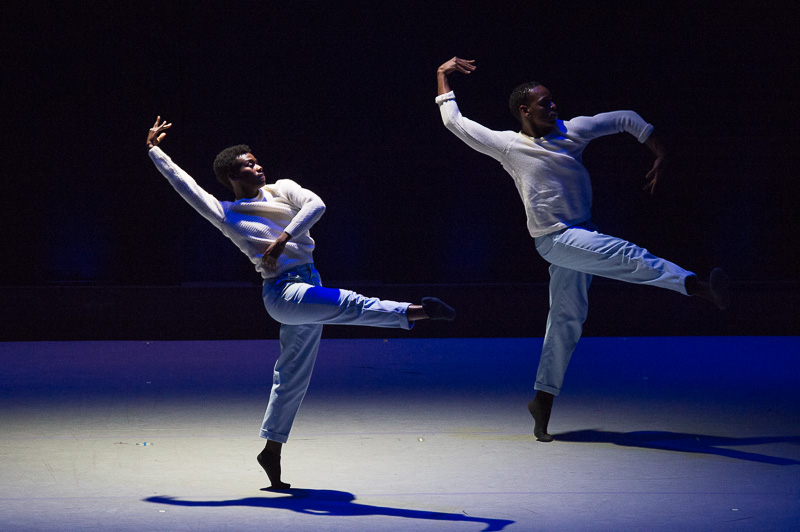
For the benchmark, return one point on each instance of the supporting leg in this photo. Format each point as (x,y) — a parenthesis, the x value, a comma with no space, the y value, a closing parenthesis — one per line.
(569,304)
(292,374)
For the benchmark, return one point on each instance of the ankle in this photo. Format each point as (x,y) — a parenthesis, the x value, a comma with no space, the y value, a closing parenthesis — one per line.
(273,447)
(544,397)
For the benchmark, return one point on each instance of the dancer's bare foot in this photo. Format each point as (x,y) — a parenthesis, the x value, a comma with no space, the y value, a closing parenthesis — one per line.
(540,408)
(271,462)
(436,309)
(715,290)
(432,308)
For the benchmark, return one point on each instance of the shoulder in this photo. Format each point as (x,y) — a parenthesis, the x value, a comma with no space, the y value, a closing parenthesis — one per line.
(606,117)
(287,188)
(578,121)
(583,123)
(281,186)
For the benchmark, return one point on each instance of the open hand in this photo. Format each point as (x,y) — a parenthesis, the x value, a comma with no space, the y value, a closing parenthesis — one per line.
(273,252)
(457,64)
(157,132)
(659,164)
(654,175)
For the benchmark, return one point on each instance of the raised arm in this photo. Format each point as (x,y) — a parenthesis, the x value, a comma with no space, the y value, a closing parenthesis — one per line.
(203,202)
(455,64)
(476,136)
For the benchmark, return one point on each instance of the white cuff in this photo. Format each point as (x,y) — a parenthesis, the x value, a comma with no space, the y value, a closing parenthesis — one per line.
(446,96)
(646,133)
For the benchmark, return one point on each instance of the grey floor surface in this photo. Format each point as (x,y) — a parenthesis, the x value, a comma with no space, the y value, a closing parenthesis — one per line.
(682,433)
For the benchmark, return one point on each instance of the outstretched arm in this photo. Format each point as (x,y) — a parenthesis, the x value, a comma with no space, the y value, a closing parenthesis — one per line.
(455,64)
(659,164)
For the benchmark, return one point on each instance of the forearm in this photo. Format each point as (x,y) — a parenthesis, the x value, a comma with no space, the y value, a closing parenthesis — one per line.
(306,217)
(310,207)
(656,146)
(443,85)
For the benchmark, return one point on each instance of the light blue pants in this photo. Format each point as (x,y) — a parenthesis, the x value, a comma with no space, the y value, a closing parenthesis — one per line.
(575,255)
(301,305)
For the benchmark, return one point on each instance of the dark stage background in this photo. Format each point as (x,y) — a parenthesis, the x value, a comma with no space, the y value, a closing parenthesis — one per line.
(339,96)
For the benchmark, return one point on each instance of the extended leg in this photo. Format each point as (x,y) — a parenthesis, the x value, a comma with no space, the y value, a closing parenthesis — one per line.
(588,251)
(582,249)
(304,303)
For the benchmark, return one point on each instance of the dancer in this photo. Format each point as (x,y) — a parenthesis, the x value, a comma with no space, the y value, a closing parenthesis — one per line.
(270,224)
(544,158)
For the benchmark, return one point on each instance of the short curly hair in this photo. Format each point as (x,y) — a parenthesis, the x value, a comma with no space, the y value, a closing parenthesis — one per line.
(519,96)
(225,162)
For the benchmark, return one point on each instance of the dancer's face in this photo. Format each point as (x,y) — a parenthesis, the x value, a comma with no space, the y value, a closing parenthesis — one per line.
(249,173)
(540,111)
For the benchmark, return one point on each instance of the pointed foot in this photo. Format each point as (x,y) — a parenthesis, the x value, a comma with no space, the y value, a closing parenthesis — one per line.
(436,309)
(271,463)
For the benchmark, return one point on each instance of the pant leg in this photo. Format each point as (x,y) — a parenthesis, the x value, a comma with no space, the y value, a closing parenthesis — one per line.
(292,374)
(302,306)
(569,304)
(583,249)
(298,303)
(575,255)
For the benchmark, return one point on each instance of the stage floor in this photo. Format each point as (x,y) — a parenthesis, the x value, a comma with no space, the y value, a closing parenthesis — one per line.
(652,433)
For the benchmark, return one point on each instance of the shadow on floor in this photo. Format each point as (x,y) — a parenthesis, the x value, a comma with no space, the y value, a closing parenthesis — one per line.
(684,443)
(333,503)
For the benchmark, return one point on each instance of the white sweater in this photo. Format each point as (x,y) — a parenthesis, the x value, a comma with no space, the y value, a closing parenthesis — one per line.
(548,172)
(253,224)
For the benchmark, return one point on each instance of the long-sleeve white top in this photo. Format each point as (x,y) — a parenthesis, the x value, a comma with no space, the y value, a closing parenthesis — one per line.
(253,224)
(548,171)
